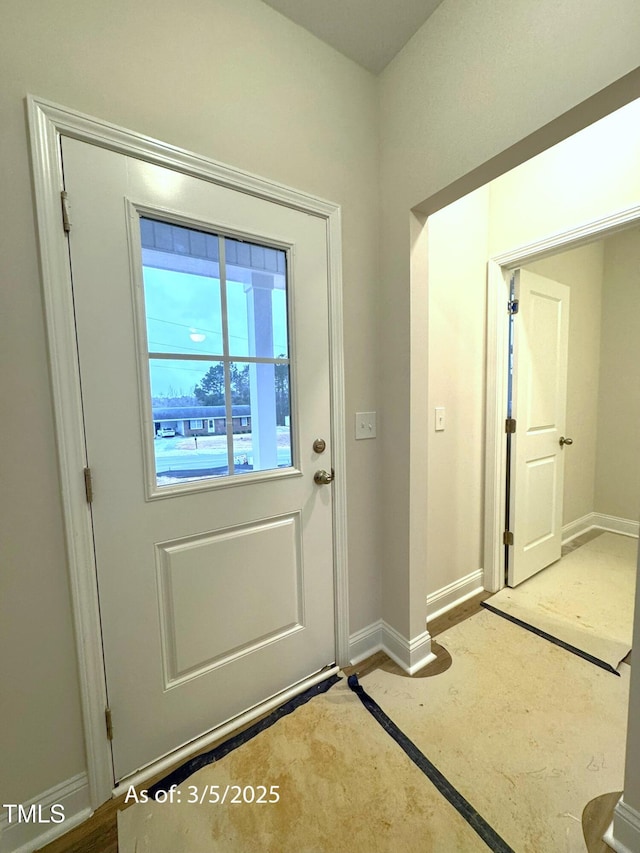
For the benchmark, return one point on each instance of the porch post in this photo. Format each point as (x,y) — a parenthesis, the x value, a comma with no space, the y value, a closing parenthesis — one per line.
(262,378)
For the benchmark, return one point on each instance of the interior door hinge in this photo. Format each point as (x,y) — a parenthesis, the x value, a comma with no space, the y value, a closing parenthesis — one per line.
(88,485)
(507,538)
(513,305)
(109,723)
(66,211)
(510,425)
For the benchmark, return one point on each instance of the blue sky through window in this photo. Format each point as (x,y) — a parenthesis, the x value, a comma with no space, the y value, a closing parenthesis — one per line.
(184,316)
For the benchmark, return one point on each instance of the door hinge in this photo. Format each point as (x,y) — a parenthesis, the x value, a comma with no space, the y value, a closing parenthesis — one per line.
(507,538)
(513,305)
(66,211)
(88,485)
(510,425)
(109,723)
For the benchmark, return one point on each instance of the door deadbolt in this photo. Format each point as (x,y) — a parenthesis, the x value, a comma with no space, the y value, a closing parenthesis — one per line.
(319,445)
(323,478)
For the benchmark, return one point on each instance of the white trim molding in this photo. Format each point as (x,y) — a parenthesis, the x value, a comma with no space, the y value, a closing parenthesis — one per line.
(48,122)
(599,521)
(577,527)
(623,834)
(411,655)
(498,270)
(366,642)
(495,436)
(625,526)
(71,798)
(455,593)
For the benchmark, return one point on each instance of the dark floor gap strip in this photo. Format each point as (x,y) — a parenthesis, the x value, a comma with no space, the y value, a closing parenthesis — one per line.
(194,764)
(462,806)
(567,646)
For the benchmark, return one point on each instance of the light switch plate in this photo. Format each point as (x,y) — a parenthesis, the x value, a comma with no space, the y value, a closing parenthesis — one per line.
(439,421)
(365,425)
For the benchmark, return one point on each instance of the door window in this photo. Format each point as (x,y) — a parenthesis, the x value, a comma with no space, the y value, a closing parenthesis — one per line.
(217,329)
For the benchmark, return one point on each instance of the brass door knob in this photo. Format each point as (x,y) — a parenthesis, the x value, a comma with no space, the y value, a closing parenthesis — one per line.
(323,478)
(564,441)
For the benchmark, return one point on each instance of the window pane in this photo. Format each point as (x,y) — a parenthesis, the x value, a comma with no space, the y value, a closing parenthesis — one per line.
(261,416)
(189,420)
(256,300)
(181,289)
(195,436)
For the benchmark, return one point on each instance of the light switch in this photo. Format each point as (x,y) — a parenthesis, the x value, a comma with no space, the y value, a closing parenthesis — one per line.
(439,418)
(365,424)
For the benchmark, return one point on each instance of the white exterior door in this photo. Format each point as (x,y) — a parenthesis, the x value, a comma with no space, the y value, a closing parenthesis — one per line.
(540,352)
(202,328)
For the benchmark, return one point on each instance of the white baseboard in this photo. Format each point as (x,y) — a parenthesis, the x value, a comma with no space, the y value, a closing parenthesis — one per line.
(411,655)
(25,836)
(626,526)
(623,834)
(455,593)
(365,642)
(599,521)
(577,528)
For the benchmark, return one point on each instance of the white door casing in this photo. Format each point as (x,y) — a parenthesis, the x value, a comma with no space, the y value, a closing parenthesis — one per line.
(540,353)
(48,124)
(498,274)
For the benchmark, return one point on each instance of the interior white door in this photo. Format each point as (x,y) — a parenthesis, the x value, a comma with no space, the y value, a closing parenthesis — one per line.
(202,328)
(540,353)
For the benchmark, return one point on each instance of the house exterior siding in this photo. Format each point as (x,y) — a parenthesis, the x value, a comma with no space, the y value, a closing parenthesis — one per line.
(213,419)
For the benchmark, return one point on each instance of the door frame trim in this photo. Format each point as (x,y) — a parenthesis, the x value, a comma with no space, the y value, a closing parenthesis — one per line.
(498,268)
(48,122)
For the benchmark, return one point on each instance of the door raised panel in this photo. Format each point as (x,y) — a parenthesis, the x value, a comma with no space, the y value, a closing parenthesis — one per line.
(223,594)
(538,517)
(543,341)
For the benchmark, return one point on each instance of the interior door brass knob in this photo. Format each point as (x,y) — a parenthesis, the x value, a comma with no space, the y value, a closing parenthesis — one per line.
(564,440)
(323,478)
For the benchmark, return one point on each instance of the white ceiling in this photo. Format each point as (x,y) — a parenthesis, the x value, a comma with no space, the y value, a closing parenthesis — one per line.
(370,32)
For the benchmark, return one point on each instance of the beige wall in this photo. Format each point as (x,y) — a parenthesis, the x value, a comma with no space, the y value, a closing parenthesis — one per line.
(457,268)
(230,79)
(617,477)
(581,270)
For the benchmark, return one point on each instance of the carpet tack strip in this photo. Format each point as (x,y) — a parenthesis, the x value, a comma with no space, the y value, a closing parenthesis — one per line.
(176,777)
(566,646)
(462,806)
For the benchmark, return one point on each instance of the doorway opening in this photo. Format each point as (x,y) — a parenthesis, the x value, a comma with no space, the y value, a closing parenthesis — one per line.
(213,189)
(557,202)
(596,487)
(599,404)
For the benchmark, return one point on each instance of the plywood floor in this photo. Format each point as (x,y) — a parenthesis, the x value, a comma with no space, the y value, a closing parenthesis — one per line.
(571,546)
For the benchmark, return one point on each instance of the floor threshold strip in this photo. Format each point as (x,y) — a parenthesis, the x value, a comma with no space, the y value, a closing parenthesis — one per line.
(567,646)
(190,767)
(462,806)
